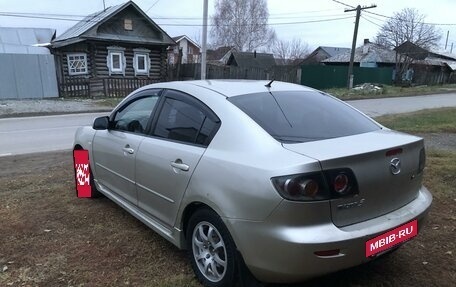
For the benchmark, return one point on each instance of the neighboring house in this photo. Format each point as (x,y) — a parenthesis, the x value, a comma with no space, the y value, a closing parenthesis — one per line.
(251,60)
(215,55)
(27,68)
(428,66)
(111,52)
(323,53)
(369,55)
(191,51)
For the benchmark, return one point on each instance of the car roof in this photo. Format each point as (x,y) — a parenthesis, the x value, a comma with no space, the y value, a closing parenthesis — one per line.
(230,88)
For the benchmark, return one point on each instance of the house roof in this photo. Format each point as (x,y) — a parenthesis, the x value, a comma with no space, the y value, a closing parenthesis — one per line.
(217,54)
(332,51)
(25,40)
(177,39)
(369,52)
(76,33)
(412,50)
(430,57)
(252,60)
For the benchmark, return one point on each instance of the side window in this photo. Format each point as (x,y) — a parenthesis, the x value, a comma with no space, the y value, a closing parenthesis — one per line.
(135,116)
(182,121)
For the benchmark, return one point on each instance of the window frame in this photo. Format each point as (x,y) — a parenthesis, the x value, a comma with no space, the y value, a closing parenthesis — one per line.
(190,100)
(141,53)
(116,51)
(140,95)
(77,55)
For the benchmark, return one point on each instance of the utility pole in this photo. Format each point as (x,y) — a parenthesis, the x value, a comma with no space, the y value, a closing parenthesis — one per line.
(355,34)
(446,42)
(204,42)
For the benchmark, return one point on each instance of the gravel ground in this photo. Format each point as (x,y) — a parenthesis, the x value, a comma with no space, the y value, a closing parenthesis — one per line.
(439,141)
(13,108)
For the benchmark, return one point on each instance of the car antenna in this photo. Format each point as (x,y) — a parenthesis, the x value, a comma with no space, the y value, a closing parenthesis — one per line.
(268,85)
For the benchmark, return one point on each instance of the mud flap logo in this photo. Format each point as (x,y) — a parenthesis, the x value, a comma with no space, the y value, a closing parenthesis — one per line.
(82,173)
(391,238)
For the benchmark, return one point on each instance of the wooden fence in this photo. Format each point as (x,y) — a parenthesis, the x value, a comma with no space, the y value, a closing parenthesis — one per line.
(108,87)
(75,87)
(193,71)
(119,87)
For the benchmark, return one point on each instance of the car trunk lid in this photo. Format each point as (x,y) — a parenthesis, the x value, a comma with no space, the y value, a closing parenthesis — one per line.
(373,159)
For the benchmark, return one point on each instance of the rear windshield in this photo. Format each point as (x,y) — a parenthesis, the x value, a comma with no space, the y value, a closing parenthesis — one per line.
(302,116)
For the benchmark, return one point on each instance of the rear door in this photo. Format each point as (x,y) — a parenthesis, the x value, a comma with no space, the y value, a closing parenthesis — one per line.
(166,160)
(115,149)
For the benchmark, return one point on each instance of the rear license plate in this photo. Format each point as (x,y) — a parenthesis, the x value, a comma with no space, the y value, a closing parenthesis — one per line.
(391,238)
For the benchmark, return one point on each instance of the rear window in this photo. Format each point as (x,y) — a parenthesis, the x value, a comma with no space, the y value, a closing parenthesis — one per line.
(301,116)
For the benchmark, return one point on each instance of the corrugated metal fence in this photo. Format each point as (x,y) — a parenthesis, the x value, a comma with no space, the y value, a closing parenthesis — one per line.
(324,77)
(25,76)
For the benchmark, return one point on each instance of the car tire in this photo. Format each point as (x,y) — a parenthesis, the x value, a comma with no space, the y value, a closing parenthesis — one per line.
(211,250)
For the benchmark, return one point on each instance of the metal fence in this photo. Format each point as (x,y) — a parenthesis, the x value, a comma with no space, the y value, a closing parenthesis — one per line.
(323,77)
(27,76)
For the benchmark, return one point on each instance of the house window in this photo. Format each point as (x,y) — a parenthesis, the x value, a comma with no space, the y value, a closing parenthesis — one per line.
(141,61)
(190,50)
(141,64)
(77,64)
(128,25)
(116,60)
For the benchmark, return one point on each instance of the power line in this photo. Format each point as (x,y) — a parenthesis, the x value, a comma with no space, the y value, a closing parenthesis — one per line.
(372,22)
(342,3)
(169,24)
(405,20)
(152,6)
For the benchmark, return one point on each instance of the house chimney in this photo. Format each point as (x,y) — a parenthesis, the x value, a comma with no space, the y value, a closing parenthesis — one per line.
(366,41)
(254,53)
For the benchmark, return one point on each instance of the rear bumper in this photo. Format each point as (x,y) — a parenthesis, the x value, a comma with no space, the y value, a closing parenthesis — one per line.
(278,252)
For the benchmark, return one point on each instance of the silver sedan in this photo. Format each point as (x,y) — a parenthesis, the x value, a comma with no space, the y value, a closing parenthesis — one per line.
(275,181)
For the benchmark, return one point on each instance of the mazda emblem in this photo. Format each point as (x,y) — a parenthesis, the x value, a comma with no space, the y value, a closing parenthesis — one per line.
(395,166)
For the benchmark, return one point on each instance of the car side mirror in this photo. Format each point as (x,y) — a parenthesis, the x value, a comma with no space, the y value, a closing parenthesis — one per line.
(101,123)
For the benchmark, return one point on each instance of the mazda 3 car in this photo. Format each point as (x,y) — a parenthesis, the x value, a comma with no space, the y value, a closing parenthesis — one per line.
(279,180)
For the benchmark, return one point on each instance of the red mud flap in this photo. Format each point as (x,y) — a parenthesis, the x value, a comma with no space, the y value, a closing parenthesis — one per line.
(391,238)
(82,173)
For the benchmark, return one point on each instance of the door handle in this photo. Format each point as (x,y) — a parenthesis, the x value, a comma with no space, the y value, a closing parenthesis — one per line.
(128,149)
(179,165)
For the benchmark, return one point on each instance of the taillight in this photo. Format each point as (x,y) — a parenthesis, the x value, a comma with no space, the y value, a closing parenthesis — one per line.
(317,185)
(422,162)
(302,187)
(341,182)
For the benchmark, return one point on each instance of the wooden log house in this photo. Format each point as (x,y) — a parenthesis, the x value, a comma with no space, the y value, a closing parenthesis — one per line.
(110,53)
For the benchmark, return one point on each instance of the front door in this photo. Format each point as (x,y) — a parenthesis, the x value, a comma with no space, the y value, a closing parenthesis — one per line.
(115,149)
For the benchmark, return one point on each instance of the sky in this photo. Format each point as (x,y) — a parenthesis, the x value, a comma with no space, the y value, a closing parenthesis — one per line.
(179,17)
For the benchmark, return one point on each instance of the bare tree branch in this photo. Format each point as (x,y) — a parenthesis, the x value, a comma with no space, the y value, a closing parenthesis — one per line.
(289,51)
(408,25)
(242,24)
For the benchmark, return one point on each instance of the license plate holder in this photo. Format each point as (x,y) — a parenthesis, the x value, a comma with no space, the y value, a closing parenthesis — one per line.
(391,238)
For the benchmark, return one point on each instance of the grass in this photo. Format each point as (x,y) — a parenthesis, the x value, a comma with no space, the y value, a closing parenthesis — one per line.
(426,121)
(389,91)
(440,174)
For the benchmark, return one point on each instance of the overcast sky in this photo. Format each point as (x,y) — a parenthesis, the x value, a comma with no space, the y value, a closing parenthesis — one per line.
(179,17)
